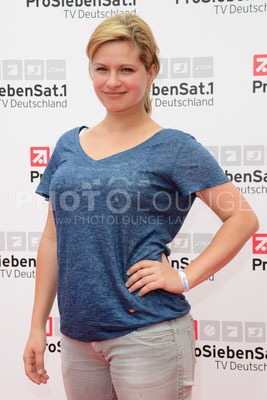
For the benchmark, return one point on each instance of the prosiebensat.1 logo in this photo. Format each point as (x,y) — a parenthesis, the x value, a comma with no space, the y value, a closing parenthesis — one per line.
(21,90)
(90,9)
(228,7)
(240,348)
(259,248)
(52,334)
(39,158)
(244,165)
(189,82)
(260,71)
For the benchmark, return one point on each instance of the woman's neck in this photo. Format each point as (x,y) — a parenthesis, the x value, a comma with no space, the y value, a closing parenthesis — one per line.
(116,122)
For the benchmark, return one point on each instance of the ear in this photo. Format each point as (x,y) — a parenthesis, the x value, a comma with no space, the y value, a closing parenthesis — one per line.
(151,74)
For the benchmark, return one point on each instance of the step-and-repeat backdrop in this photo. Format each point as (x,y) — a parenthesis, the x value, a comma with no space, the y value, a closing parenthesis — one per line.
(212,84)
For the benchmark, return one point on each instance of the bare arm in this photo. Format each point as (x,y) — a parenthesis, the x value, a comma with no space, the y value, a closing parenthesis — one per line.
(46,275)
(45,293)
(239,224)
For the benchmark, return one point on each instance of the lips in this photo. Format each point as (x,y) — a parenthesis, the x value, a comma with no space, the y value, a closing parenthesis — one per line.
(115,93)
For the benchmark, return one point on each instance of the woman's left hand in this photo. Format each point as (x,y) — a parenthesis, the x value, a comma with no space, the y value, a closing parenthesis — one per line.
(151,275)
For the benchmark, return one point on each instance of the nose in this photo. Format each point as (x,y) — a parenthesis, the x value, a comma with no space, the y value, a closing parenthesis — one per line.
(113,80)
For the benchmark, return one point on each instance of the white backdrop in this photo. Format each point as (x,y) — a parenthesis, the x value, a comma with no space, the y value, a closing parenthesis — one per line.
(212,84)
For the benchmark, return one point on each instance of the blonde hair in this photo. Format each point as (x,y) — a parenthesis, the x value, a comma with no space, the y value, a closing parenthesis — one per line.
(131,28)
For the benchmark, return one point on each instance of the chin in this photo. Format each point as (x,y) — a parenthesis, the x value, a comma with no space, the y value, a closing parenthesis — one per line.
(108,107)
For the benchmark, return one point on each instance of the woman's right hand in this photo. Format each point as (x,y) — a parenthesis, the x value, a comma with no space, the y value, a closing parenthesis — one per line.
(33,357)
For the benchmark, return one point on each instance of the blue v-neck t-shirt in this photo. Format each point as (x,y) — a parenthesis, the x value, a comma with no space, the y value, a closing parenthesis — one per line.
(110,214)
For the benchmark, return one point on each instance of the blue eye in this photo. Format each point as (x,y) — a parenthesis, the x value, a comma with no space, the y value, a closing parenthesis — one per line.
(102,68)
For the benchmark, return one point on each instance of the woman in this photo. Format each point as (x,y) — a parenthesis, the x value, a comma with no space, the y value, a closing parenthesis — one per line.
(118,193)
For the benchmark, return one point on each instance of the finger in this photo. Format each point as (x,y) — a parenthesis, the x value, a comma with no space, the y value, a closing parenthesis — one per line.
(164,257)
(138,265)
(29,362)
(30,368)
(140,283)
(40,378)
(147,288)
(40,362)
(44,375)
(44,380)
(34,377)
(138,275)
(33,380)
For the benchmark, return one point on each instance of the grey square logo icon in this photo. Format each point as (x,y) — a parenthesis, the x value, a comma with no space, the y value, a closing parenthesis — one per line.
(254,155)
(34,69)
(56,69)
(209,330)
(57,326)
(34,240)
(232,331)
(202,67)
(201,241)
(255,332)
(16,241)
(2,241)
(12,70)
(214,150)
(230,155)
(182,243)
(180,68)
(164,66)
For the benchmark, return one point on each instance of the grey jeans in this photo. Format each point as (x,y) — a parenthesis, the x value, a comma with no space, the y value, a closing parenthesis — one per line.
(156,362)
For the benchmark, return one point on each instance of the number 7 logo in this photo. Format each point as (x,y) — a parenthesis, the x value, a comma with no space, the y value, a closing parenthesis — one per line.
(39,156)
(260,65)
(259,243)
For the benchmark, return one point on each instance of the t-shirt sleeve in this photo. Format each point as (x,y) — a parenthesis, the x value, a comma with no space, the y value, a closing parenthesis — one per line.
(195,168)
(44,184)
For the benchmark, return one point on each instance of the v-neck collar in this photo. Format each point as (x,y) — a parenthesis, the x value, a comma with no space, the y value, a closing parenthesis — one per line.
(88,158)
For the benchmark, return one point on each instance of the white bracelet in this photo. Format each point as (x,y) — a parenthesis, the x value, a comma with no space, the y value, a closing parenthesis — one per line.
(184,280)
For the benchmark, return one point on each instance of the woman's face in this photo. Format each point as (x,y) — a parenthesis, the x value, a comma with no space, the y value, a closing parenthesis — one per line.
(119,77)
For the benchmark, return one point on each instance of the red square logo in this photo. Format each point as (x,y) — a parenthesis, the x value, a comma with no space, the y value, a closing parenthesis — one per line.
(260,65)
(39,156)
(195,323)
(49,326)
(259,243)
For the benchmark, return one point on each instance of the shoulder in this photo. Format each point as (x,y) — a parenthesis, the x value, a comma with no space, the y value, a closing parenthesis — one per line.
(179,134)
(68,134)
(68,137)
(180,138)
(188,148)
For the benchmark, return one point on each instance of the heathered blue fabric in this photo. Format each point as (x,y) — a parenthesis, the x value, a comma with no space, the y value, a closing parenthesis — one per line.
(112,213)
